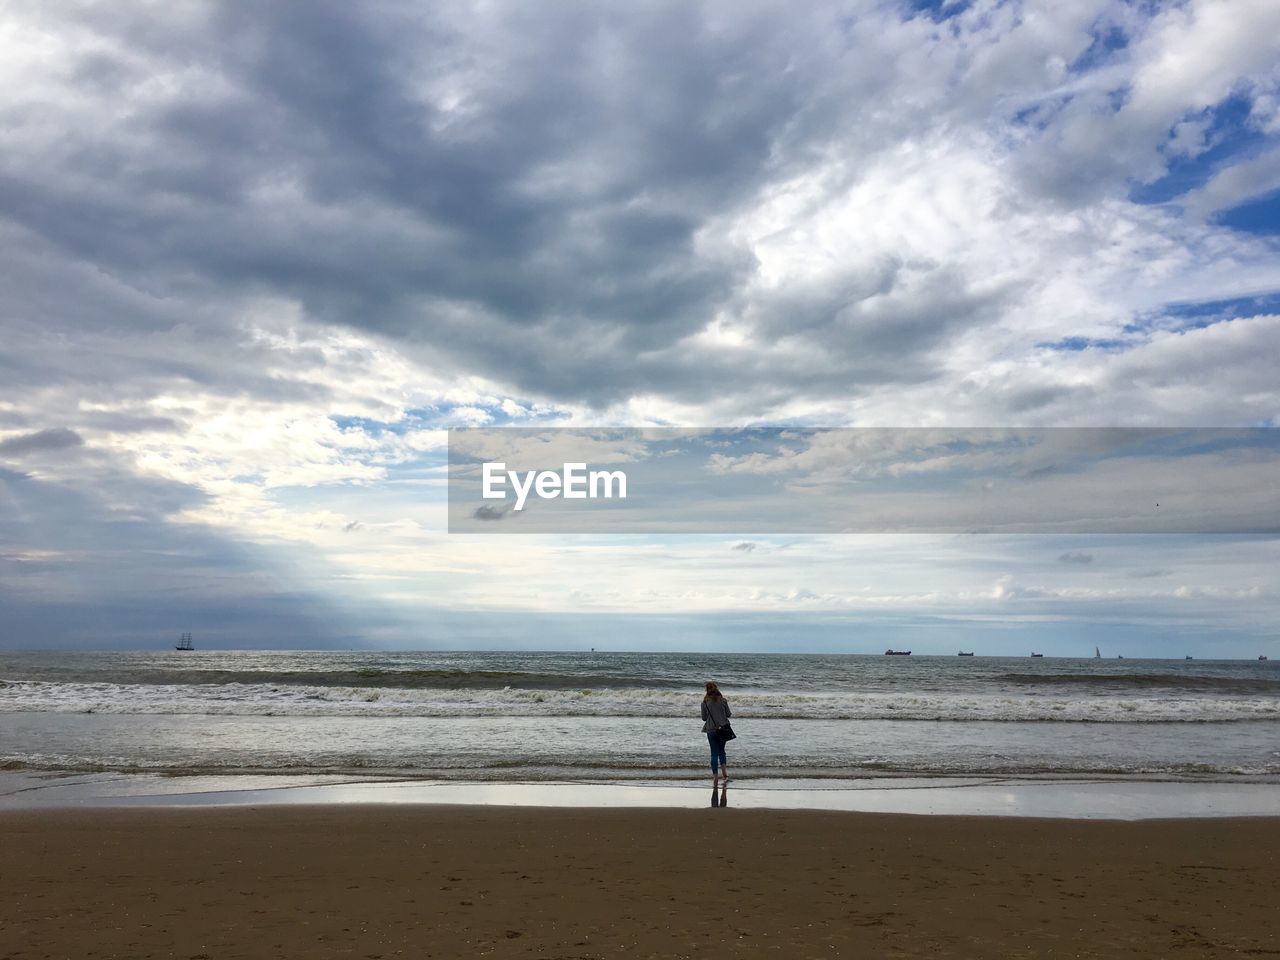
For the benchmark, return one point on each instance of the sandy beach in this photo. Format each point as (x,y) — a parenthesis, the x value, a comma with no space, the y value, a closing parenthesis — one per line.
(448,881)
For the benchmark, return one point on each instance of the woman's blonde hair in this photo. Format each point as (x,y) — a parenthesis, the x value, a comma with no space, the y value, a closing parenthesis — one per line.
(713,692)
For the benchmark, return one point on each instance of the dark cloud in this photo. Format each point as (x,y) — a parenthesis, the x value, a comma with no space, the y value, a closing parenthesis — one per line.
(744,546)
(525,195)
(100,565)
(57,438)
(555,197)
(486,512)
(132,423)
(1076,557)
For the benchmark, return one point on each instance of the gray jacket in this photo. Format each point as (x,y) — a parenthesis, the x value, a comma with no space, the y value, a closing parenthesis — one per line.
(715,714)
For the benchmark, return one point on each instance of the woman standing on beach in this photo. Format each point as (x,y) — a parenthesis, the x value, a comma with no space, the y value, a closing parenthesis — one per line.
(715,715)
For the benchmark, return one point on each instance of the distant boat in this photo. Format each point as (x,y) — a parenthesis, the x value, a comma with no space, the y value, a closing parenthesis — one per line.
(1119,656)
(897,653)
(1188,657)
(963,654)
(184,642)
(1037,654)
(1263,657)
(1097,654)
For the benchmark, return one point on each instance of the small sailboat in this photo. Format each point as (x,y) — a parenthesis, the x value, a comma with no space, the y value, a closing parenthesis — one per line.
(184,643)
(1097,654)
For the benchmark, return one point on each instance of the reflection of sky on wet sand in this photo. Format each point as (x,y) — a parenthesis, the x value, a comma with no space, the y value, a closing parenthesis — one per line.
(1074,799)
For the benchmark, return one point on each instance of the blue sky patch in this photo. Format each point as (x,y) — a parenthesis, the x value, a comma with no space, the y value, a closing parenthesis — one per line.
(1260,216)
(1107,39)
(939,10)
(1230,139)
(375,428)
(1076,344)
(444,416)
(1197,316)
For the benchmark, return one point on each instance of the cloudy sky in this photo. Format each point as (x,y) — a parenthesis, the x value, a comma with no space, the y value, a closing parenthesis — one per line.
(255,258)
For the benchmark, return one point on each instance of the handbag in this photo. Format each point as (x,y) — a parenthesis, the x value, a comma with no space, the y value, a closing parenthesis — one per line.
(726,733)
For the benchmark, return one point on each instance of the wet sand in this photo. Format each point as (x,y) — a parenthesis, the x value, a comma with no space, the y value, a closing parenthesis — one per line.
(1097,798)
(440,881)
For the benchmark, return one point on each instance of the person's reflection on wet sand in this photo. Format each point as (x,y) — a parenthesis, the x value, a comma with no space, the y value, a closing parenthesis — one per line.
(724,795)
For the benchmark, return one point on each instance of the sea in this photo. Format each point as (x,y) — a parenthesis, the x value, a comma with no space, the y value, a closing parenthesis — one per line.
(625,717)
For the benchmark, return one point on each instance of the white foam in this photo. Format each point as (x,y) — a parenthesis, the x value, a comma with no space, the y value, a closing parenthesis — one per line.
(246,699)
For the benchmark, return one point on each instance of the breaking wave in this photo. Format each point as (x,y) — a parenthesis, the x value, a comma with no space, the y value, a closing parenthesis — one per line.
(320,700)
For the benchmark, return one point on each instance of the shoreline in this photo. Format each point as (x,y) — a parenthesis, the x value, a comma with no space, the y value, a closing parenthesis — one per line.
(1065,798)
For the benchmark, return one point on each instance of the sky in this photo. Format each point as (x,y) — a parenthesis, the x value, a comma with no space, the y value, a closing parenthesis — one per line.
(257,259)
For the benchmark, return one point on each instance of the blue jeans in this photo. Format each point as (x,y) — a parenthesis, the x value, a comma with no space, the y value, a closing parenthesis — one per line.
(717,752)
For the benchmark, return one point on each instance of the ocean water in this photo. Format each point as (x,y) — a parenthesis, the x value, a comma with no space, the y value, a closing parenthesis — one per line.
(635,716)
